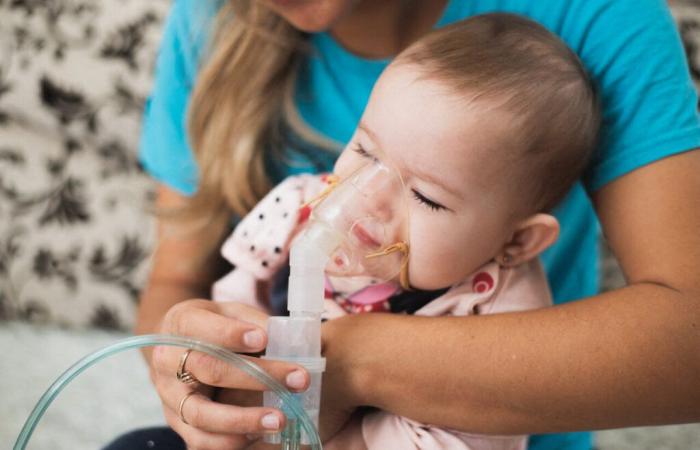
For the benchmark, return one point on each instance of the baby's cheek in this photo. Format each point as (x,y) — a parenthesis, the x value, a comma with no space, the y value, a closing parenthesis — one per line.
(422,275)
(433,262)
(341,164)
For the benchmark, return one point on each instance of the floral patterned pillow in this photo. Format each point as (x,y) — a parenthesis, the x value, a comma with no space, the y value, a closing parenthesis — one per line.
(687,15)
(75,234)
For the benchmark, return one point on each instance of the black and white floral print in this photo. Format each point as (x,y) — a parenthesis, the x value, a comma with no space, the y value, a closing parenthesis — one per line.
(687,15)
(75,232)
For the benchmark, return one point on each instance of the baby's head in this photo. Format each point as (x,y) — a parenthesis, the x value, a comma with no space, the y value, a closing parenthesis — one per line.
(490,121)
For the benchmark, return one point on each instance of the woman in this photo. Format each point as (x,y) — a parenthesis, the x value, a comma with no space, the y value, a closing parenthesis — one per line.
(269,100)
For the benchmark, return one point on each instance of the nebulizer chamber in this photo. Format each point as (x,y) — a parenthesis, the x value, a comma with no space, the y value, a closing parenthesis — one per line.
(352,233)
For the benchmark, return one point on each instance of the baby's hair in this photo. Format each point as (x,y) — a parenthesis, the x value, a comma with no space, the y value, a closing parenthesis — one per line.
(519,65)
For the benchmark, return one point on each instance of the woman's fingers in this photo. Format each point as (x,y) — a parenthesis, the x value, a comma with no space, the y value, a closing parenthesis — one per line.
(197,439)
(216,372)
(245,312)
(212,371)
(203,423)
(200,412)
(232,326)
(172,391)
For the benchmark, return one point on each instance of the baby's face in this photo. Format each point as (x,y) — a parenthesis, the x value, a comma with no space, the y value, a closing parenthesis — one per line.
(447,152)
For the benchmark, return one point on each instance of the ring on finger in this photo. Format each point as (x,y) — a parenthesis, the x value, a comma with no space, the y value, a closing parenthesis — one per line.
(182,404)
(182,374)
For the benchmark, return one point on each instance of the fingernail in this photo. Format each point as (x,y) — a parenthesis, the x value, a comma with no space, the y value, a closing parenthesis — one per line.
(271,422)
(253,339)
(296,379)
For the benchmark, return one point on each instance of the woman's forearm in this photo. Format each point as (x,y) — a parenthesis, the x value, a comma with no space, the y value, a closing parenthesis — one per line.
(624,358)
(156,300)
(185,262)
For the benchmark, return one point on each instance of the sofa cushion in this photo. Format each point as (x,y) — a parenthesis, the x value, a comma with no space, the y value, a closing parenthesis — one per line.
(75,235)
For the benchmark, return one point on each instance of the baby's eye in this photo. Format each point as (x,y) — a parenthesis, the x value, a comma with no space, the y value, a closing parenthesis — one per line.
(426,201)
(364,153)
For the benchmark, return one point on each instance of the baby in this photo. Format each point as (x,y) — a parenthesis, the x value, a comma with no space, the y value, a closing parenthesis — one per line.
(489,122)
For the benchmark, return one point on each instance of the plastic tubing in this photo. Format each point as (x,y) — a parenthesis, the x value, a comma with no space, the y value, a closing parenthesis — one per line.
(296,416)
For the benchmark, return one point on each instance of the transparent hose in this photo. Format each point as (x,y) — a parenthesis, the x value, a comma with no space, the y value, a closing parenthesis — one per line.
(296,416)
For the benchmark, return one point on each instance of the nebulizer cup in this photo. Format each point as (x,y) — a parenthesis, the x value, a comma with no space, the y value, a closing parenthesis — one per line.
(357,231)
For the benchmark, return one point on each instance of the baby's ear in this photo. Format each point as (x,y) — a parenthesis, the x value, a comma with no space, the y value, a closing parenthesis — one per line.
(531,237)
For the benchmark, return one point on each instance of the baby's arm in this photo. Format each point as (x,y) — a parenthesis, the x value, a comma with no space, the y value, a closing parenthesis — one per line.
(259,245)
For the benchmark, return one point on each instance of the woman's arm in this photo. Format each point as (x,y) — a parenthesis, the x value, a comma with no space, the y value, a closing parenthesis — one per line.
(624,358)
(185,264)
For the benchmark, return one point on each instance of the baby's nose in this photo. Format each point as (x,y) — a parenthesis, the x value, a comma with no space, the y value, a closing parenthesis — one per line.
(382,205)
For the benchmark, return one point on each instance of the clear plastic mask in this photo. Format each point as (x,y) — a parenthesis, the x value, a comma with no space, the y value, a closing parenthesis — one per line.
(369,209)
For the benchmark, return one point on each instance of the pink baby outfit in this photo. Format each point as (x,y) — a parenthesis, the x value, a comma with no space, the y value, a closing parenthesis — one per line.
(259,247)
(490,290)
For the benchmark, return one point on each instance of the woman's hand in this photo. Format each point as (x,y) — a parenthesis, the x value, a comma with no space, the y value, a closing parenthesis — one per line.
(341,389)
(202,422)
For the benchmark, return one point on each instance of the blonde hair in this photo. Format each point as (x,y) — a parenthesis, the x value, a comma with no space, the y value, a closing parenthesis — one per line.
(240,108)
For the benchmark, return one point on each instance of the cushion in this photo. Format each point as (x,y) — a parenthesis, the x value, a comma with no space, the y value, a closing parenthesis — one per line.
(75,231)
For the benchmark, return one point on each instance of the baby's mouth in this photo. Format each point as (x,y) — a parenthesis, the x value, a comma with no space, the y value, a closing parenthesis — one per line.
(364,237)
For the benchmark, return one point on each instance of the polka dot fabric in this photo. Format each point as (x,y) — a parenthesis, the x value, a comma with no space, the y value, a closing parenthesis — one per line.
(259,245)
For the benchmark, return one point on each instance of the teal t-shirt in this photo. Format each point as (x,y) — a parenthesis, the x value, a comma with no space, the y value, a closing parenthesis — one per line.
(630,47)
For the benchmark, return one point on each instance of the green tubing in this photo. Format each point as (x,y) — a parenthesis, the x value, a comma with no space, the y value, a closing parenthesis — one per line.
(296,415)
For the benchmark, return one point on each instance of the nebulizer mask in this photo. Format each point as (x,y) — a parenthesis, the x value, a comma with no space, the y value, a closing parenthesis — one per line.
(368,216)
(356,234)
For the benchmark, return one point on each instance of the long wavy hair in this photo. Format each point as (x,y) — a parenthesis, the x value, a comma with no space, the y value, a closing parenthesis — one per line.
(241,106)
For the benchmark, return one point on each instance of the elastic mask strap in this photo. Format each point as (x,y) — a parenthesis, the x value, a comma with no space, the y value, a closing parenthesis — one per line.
(397,247)
(332,181)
